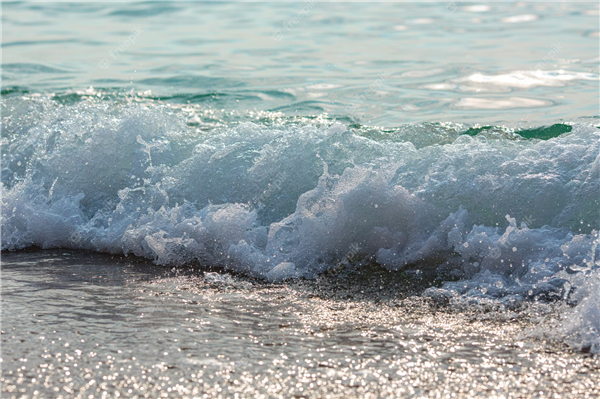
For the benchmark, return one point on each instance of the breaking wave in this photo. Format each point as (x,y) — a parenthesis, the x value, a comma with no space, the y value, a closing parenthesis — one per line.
(499,214)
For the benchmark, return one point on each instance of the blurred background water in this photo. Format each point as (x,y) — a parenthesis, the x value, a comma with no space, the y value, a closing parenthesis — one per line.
(382,64)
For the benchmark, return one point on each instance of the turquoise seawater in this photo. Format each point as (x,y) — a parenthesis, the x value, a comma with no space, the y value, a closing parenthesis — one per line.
(381,64)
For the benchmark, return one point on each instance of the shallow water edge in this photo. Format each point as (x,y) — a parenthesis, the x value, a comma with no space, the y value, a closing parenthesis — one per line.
(77,324)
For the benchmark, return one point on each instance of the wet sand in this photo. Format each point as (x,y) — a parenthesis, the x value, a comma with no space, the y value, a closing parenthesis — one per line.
(77,324)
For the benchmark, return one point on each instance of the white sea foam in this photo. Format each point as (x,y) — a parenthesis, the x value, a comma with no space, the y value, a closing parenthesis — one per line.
(510,219)
(581,326)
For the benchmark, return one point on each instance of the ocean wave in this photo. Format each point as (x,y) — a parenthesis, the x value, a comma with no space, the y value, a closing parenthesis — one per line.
(498,214)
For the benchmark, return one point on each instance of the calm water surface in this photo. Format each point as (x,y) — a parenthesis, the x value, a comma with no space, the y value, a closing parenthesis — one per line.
(382,63)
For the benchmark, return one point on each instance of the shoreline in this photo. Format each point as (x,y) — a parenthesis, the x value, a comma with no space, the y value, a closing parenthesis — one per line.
(130,325)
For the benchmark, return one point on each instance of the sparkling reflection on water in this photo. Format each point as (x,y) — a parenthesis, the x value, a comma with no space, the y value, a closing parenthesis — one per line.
(78,324)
